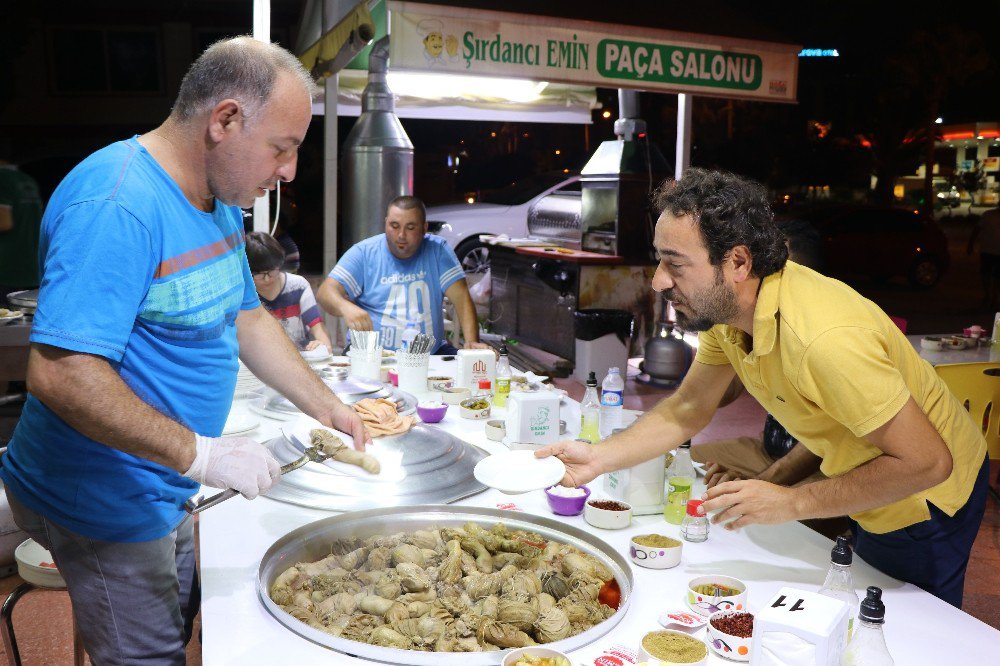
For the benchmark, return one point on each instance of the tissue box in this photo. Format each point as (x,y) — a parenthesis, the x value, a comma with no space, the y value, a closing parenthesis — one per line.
(798,628)
(476,364)
(533,418)
(641,486)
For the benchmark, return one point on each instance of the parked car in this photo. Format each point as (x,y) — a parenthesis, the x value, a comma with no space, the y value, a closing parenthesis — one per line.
(880,242)
(504,211)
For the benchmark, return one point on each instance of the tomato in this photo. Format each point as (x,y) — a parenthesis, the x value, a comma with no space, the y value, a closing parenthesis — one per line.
(610,594)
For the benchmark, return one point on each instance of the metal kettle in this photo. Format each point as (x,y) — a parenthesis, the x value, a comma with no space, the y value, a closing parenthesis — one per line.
(667,356)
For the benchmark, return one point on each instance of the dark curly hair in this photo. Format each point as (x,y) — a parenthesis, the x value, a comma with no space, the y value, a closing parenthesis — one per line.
(730,210)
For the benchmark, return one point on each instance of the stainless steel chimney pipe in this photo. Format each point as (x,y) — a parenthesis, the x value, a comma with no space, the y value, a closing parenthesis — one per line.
(377,158)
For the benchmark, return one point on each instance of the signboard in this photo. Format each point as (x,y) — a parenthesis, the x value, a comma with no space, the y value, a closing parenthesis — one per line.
(486,43)
(991,163)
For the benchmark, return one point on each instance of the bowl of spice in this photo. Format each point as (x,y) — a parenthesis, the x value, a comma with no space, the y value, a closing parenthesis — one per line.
(655,551)
(729,634)
(607,514)
(670,648)
(566,501)
(710,594)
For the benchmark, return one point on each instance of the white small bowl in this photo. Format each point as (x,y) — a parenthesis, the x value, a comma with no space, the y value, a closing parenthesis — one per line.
(706,604)
(725,644)
(35,565)
(932,344)
(454,396)
(535,651)
(654,557)
(495,430)
(653,659)
(605,518)
(478,413)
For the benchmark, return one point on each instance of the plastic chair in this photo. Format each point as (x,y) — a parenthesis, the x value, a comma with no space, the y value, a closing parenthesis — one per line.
(977,387)
(35,579)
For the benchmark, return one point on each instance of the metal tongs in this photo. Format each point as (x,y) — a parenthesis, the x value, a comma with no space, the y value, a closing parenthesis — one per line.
(309,454)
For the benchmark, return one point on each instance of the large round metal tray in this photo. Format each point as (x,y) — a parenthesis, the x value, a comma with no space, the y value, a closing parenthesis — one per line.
(438,469)
(311,543)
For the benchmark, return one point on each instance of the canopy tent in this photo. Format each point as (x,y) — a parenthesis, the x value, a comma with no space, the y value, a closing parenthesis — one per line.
(455,42)
(454,97)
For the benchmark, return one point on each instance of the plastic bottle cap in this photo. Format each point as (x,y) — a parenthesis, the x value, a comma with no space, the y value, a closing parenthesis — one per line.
(841,553)
(872,608)
(693,506)
(592,379)
(503,349)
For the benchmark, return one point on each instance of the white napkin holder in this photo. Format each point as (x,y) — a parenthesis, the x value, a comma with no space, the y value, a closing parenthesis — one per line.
(799,628)
(641,486)
(533,418)
(476,364)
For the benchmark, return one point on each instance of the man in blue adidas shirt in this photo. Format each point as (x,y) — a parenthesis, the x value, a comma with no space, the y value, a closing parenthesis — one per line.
(400,277)
(145,302)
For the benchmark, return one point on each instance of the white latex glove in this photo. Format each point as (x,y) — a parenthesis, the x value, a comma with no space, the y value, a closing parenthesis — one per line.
(234,462)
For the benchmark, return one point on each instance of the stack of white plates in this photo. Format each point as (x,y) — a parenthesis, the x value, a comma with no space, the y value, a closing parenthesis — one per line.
(247,384)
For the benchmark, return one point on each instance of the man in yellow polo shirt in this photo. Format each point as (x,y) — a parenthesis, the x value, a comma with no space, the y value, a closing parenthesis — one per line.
(903,457)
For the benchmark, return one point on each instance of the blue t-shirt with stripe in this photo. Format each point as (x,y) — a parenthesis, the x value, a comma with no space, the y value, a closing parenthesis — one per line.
(396,291)
(131,272)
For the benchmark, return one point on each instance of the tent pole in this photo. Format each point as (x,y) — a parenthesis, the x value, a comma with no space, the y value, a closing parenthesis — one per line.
(682,156)
(262,32)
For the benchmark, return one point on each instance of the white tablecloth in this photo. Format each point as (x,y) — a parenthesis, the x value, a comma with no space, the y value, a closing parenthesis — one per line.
(237,630)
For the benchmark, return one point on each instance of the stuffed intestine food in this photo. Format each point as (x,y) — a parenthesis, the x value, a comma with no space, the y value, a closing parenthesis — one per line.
(448,589)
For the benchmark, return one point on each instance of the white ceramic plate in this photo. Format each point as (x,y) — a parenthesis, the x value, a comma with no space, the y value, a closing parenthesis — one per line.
(391,462)
(699,468)
(239,424)
(515,472)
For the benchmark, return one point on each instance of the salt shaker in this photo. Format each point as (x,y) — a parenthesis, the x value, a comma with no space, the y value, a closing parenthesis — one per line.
(694,527)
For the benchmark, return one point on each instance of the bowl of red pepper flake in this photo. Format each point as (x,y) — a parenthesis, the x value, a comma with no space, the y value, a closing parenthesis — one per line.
(730,633)
(607,514)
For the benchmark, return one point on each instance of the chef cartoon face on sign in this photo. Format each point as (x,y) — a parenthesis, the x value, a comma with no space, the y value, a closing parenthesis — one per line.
(438,48)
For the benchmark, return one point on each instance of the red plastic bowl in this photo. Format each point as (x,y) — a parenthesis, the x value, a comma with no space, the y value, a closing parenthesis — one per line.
(567,506)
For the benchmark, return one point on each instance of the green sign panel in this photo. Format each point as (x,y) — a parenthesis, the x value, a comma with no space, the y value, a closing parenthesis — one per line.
(661,63)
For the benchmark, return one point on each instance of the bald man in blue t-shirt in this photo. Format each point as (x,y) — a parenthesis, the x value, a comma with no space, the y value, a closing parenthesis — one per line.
(400,277)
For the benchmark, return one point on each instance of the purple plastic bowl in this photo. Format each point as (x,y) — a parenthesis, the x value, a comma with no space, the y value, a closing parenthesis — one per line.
(567,506)
(429,414)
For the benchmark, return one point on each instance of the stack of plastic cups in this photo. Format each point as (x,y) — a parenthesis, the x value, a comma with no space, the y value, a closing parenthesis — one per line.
(366,355)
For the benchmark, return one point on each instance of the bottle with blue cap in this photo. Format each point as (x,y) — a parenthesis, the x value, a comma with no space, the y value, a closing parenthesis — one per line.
(867,646)
(409,335)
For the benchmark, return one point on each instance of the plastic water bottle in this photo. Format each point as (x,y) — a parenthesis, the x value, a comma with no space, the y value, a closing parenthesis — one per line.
(503,378)
(839,583)
(680,478)
(408,336)
(867,646)
(612,394)
(590,412)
